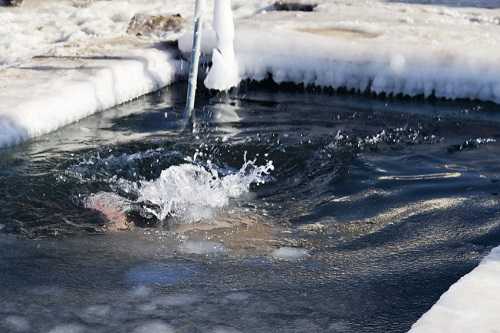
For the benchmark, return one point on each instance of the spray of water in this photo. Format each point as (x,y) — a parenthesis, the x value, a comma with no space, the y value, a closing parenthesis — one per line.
(193,192)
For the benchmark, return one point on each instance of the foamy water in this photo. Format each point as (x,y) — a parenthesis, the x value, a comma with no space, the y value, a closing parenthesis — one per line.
(192,192)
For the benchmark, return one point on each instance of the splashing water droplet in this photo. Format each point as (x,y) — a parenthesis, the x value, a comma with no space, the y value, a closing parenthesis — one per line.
(193,193)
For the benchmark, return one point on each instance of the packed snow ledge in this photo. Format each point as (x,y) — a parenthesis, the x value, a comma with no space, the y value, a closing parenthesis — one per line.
(50,92)
(470,305)
(86,62)
(372,46)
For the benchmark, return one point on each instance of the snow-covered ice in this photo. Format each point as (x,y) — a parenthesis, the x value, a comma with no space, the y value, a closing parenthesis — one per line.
(85,61)
(48,26)
(46,93)
(392,48)
(470,305)
(441,48)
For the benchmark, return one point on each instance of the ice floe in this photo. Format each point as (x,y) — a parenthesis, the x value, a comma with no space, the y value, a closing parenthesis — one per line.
(289,253)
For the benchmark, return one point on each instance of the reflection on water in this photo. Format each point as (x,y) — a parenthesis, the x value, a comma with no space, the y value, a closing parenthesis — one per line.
(373,209)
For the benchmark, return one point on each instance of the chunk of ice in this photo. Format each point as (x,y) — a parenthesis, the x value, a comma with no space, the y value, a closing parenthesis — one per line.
(289,253)
(224,73)
(202,247)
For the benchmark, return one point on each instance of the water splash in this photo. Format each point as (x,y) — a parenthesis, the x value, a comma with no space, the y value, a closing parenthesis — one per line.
(193,192)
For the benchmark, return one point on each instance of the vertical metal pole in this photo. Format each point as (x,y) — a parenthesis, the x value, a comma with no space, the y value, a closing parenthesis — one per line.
(195,56)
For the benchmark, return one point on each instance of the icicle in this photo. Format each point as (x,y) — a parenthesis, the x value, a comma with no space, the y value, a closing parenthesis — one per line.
(224,72)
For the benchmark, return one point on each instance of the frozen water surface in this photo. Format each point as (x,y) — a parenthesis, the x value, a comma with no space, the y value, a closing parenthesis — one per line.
(373,209)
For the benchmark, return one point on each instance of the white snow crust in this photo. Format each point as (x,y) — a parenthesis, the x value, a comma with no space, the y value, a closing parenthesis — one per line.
(46,26)
(47,94)
(470,305)
(376,46)
(90,63)
(441,48)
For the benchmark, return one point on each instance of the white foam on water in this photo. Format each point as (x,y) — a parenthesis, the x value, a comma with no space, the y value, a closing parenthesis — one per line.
(95,314)
(201,247)
(97,311)
(17,323)
(170,301)
(175,300)
(48,291)
(68,328)
(289,253)
(339,327)
(155,326)
(237,297)
(193,193)
(140,292)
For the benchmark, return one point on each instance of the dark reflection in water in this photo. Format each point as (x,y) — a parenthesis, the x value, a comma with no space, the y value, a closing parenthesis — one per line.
(393,200)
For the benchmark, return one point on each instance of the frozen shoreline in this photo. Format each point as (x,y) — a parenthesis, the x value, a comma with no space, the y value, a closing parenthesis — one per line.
(317,60)
(396,48)
(470,305)
(48,93)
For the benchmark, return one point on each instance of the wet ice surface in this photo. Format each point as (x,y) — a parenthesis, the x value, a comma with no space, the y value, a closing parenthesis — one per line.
(373,209)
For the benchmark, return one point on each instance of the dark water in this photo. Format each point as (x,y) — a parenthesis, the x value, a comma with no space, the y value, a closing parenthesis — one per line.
(393,200)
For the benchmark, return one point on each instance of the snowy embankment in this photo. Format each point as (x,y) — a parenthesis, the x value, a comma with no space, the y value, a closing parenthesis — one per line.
(63,60)
(379,46)
(48,93)
(375,46)
(305,58)
(470,305)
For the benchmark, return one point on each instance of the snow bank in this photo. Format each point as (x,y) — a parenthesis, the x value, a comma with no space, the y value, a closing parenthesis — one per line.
(377,46)
(46,94)
(310,59)
(470,305)
(393,48)
(41,27)
(71,82)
